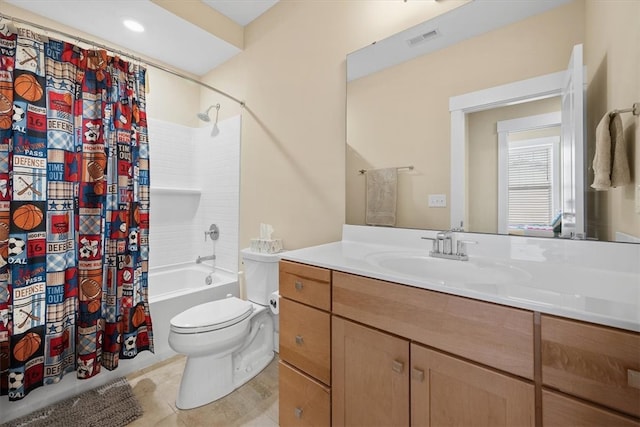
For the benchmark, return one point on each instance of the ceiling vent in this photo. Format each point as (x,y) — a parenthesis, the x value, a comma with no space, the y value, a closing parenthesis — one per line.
(423,38)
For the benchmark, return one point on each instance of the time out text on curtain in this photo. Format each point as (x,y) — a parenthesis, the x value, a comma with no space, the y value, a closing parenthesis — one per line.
(74,212)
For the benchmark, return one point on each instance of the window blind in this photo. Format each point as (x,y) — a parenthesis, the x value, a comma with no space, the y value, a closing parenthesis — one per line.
(530,191)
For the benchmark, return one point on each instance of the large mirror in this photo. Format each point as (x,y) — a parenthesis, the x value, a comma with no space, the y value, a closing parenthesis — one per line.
(399,115)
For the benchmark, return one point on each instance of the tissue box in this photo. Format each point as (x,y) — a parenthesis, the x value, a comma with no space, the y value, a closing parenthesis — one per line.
(266,246)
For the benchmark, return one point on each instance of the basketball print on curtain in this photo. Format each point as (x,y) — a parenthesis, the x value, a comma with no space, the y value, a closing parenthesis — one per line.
(127,321)
(74,212)
(28,225)
(7,61)
(90,328)
(62,62)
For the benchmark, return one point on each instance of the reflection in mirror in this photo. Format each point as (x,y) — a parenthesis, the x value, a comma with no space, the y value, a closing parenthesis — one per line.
(399,115)
(486,192)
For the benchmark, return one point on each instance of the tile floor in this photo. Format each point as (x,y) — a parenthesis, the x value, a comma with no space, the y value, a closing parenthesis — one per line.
(253,404)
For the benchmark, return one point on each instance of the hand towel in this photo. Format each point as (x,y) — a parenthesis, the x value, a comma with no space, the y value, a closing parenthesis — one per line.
(382,190)
(602,158)
(610,163)
(620,174)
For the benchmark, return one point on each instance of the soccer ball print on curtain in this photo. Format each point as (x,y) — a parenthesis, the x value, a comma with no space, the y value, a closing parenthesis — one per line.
(75,294)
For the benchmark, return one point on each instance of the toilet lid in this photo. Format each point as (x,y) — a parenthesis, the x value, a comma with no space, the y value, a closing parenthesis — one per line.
(211,316)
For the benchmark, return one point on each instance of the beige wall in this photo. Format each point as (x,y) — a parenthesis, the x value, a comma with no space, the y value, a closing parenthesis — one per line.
(403,111)
(292,77)
(612,57)
(482,154)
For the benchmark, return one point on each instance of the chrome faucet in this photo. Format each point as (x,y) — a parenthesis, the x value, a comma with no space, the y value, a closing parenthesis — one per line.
(442,246)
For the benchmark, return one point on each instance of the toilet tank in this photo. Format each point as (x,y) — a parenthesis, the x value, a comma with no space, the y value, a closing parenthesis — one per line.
(261,275)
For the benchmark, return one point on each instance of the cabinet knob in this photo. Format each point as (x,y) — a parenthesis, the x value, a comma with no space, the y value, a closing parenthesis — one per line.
(299,285)
(299,339)
(297,412)
(397,366)
(417,374)
(633,378)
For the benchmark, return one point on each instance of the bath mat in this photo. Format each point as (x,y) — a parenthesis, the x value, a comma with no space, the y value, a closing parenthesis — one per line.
(112,404)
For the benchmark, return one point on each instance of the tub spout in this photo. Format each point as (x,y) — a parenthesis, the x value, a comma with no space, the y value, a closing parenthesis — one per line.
(205,258)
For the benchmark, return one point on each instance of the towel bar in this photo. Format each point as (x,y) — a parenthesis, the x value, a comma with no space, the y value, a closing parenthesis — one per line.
(363,171)
(635,110)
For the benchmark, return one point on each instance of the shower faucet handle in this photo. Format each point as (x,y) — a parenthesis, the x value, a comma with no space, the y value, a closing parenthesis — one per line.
(213,232)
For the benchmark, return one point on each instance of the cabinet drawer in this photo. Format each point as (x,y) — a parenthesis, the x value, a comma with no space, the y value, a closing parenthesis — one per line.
(306,284)
(593,362)
(494,335)
(562,411)
(303,401)
(305,339)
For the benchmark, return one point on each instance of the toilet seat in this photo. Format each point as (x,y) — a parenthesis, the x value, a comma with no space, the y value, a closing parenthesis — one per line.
(211,316)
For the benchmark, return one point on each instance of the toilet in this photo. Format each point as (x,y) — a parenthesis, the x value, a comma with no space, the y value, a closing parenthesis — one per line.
(227,342)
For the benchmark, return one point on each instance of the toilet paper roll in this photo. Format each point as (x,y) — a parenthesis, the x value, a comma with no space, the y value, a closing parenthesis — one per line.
(274,302)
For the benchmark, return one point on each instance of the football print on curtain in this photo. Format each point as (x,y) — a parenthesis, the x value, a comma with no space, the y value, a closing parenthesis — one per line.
(73,289)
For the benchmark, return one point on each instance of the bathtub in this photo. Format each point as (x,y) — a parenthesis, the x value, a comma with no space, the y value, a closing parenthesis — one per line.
(173,289)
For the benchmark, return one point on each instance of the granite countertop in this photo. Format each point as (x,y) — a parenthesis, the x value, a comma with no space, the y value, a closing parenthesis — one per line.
(593,294)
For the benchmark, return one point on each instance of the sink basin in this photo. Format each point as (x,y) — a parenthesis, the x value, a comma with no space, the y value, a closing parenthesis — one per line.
(477,272)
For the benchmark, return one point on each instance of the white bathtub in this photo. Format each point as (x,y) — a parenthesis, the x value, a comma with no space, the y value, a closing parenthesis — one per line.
(176,288)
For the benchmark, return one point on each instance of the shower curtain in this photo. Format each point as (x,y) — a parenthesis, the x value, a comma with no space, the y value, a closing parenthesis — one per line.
(74,212)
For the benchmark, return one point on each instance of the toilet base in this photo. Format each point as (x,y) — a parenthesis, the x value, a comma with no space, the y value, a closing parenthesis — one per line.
(203,381)
(207,378)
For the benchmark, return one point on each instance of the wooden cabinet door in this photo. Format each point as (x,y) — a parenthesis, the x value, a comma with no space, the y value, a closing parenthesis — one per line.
(447,391)
(370,377)
(560,410)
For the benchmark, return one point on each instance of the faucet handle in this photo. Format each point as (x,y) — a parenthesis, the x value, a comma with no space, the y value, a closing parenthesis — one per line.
(434,244)
(462,246)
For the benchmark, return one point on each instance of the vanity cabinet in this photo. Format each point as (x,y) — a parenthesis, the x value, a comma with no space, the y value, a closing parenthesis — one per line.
(406,383)
(593,363)
(361,351)
(494,335)
(305,345)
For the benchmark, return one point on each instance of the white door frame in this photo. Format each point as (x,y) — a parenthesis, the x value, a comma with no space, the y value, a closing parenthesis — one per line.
(541,87)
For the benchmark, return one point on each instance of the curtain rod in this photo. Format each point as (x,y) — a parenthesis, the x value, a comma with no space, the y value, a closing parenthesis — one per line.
(120,52)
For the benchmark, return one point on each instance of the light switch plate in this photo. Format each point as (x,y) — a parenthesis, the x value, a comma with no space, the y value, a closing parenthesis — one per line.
(437,200)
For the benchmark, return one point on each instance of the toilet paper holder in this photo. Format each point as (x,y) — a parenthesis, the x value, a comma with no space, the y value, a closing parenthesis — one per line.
(274,305)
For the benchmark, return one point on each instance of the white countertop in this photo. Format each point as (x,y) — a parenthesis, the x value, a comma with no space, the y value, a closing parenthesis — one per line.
(569,285)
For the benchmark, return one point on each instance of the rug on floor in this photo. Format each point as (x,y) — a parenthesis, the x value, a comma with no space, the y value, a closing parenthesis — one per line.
(112,404)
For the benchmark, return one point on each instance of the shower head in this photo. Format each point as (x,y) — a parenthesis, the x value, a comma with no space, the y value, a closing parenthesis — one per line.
(205,116)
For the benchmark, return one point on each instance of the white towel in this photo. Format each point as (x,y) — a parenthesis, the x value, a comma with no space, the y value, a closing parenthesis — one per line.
(610,163)
(382,190)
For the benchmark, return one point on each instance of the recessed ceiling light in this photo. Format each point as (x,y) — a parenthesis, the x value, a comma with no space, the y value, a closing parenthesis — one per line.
(134,26)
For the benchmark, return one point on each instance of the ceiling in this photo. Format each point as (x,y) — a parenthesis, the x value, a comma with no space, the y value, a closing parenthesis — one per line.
(167,38)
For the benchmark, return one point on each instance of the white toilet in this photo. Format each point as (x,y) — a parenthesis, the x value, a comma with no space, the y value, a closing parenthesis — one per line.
(229,341)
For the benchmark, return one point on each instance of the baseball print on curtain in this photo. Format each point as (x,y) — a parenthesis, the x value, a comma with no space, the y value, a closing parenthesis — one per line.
(74,215)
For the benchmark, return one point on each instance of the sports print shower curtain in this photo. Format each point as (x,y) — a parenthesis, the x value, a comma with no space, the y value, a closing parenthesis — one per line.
(74,212)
